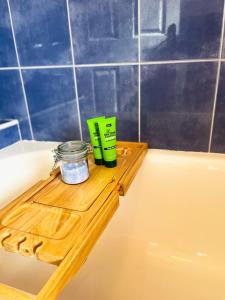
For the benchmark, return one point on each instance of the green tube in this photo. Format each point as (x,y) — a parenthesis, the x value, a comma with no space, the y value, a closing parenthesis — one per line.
(107,129)
(95,139)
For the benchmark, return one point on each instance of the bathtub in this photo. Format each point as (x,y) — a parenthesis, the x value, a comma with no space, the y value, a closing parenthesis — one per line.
(165,242)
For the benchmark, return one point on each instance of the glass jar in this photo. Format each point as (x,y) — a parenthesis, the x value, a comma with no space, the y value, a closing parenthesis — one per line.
(72,157)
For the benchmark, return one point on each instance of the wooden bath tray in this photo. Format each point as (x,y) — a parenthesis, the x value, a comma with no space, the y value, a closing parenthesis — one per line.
(60,223)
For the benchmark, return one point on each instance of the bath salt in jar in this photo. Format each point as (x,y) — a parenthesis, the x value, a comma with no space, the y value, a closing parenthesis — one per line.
(72,157)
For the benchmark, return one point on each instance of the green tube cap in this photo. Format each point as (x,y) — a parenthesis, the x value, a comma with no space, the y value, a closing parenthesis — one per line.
(99,162)
(111,164)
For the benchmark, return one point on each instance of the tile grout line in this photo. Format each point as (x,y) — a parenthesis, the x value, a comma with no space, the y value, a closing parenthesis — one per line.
(19,131)
(74,70)
(107,64)
(217,81)
(139,70)
(112,64)
(47,67)
(184,61)
(20,71)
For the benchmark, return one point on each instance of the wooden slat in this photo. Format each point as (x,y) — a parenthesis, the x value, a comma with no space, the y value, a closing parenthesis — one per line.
(13,242)
(30,246)
(80,197)
(41,220)
(128,177)
(55,250)
(27,195)
(9,293)
(4,233)
(75,197)
(78,254)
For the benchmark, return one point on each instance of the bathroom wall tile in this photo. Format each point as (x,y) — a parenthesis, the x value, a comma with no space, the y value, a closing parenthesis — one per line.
(7,49)
(218,140)
(9,136)
(12,105)
(41,29)
(51,100)
(180,29)
(110,91)
(223,49)
(176,107)
(104,30)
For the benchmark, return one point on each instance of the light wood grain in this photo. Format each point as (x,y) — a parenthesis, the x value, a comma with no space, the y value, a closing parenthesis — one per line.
(41,220)
(75,197)
(9,293)
(128,177)
(78,254)
(60,223)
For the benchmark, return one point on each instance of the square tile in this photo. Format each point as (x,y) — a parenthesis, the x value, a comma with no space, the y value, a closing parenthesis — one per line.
(176,105)
(104,30)
(7,49)
(9,136)
(110,91)
(52,104)
(42,34)
(218,141)
(223,50)
(12,105)
(180,29)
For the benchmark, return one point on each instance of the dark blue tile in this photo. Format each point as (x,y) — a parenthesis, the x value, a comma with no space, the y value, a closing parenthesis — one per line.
(41,29)
(218,140)
(223,49)
(7,49)
(180,29)
(104,30)
(218,144)
(12,105)
(176,105)
(51,100)
(9,136)
(110,91)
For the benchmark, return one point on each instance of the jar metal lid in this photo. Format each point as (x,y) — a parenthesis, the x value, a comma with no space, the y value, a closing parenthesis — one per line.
(72,150)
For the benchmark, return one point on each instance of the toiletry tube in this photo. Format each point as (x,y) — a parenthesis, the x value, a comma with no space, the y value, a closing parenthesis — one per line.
(95,139)
(107,129)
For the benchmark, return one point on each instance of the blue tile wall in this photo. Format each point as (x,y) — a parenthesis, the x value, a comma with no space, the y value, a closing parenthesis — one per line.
(7,49)
(12,104)
(180,29)
(9,136)
(41,30)
(110,91)
(104,31)
(218,144)
(52,105)
(176,105)
(81,58)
